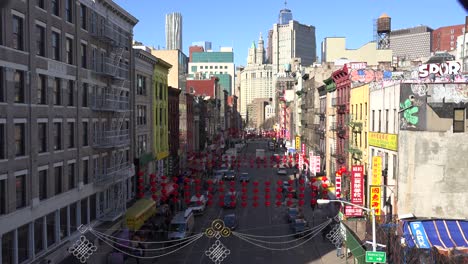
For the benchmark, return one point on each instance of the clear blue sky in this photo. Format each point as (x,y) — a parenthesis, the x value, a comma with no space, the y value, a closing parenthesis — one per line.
(236,23)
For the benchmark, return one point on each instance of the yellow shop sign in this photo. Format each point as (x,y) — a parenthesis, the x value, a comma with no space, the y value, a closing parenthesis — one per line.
(381,140)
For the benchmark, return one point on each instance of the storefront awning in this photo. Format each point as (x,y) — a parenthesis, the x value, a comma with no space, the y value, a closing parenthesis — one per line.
(436,233)
(141,211)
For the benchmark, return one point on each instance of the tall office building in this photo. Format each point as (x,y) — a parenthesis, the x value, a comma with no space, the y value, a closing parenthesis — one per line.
(292,40)
(285,16)
(174,31)
(65,112)
(256,78)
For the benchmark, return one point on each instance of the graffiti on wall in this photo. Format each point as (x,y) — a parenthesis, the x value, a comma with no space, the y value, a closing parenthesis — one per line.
(450,92)
(413,106)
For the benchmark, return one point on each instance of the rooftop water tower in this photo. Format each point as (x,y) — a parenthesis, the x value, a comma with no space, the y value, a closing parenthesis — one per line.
(384,26)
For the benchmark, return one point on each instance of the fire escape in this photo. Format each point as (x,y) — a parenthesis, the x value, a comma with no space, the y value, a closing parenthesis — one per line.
(356,129)
(341,79)
(111,104)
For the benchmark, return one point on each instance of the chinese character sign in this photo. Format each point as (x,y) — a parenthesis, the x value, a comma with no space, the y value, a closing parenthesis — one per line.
(376,170)
(351,211)
(311,161)
(317,164)
(376,199)
(298,143)
(301,161)
(303,148)
(338,186)
(357,184)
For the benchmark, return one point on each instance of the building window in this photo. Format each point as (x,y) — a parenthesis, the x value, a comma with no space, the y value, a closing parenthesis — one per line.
(19,86)
(458,120)
(55,46)
(58,180)
(7,246)
(69,50)
(85,171)
(83,18)
(57,91)
(3,195)
(41,89)
(40,3)
(23,243)
(93,59)
(84,211)
(71,176)
(63,223)
(55,7)
(57,136)
(71,135)
(40,40)
(85,94)
(141,85)
(38,235)
(71,93)
(42,184)
(20,191)
(141,144)
(85,134)
(141,115)
(2,141)
(83,56)
(50,222)
(20,139)
(69,10)
(73,218)
(2,83)
(42,137)
(17,38)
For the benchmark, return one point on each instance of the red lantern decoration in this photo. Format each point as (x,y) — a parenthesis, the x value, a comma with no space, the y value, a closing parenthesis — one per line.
(244,204)
(255,204)
(140,173)
(154,196)
(152,176)
(267,203)
(278,203)
(324,178)
(153,189)
(140,180)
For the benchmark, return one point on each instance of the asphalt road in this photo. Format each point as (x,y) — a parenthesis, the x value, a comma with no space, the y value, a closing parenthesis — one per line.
(265,221)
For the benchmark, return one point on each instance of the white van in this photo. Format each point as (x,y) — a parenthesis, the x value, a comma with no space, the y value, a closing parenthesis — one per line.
(198,204)
(182,225)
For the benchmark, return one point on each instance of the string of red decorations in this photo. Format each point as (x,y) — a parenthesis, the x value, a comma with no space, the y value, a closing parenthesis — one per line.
(140,186)
(154,188)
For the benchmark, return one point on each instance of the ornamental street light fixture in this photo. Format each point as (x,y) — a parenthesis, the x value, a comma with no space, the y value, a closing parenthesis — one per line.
(372,211)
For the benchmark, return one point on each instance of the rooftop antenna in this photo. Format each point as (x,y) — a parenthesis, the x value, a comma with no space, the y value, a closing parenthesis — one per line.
(285,3)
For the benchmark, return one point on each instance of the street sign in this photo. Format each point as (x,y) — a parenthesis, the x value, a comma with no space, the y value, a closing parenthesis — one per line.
(376,257)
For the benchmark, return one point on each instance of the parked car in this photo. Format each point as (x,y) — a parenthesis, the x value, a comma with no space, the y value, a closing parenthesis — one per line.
(229,198)
(298,226)
(231,221)
(198,204)
(244,177)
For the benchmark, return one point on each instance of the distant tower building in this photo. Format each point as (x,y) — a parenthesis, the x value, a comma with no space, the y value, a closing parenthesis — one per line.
(174,31)
(205,44)
(285,15)
(384,23)
(260,52)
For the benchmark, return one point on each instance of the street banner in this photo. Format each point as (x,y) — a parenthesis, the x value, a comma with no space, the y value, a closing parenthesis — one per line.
(311,161)
(376,199)
(352,211)
(301,161)
(357,184)
(298,143)
(376,170)
(303,148)
(338,186)
(317,164)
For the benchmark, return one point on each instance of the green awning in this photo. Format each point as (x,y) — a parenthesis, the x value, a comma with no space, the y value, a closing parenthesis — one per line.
(354,244)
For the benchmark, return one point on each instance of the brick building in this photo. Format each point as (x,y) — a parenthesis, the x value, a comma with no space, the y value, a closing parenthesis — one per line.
(173,118)
(445,38)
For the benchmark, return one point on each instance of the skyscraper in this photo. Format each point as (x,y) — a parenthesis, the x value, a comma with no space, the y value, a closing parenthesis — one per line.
(285,16)
(174,31)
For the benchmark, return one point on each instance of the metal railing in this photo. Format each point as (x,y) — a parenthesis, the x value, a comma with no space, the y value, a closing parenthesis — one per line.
(112,138)
(109,67)
(113,174)
(110,102)
(109,32)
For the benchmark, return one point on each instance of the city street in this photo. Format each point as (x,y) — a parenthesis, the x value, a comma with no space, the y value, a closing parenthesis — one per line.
(258,221)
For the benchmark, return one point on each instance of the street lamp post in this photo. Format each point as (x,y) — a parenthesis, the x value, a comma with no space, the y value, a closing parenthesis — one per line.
(372,211)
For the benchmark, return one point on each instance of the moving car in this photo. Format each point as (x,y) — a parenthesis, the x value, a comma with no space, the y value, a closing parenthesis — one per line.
(298,226)
(282,170)
(229,175)
(181,225)
(231,221)
(198,205)
(244,177)
(229,198)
